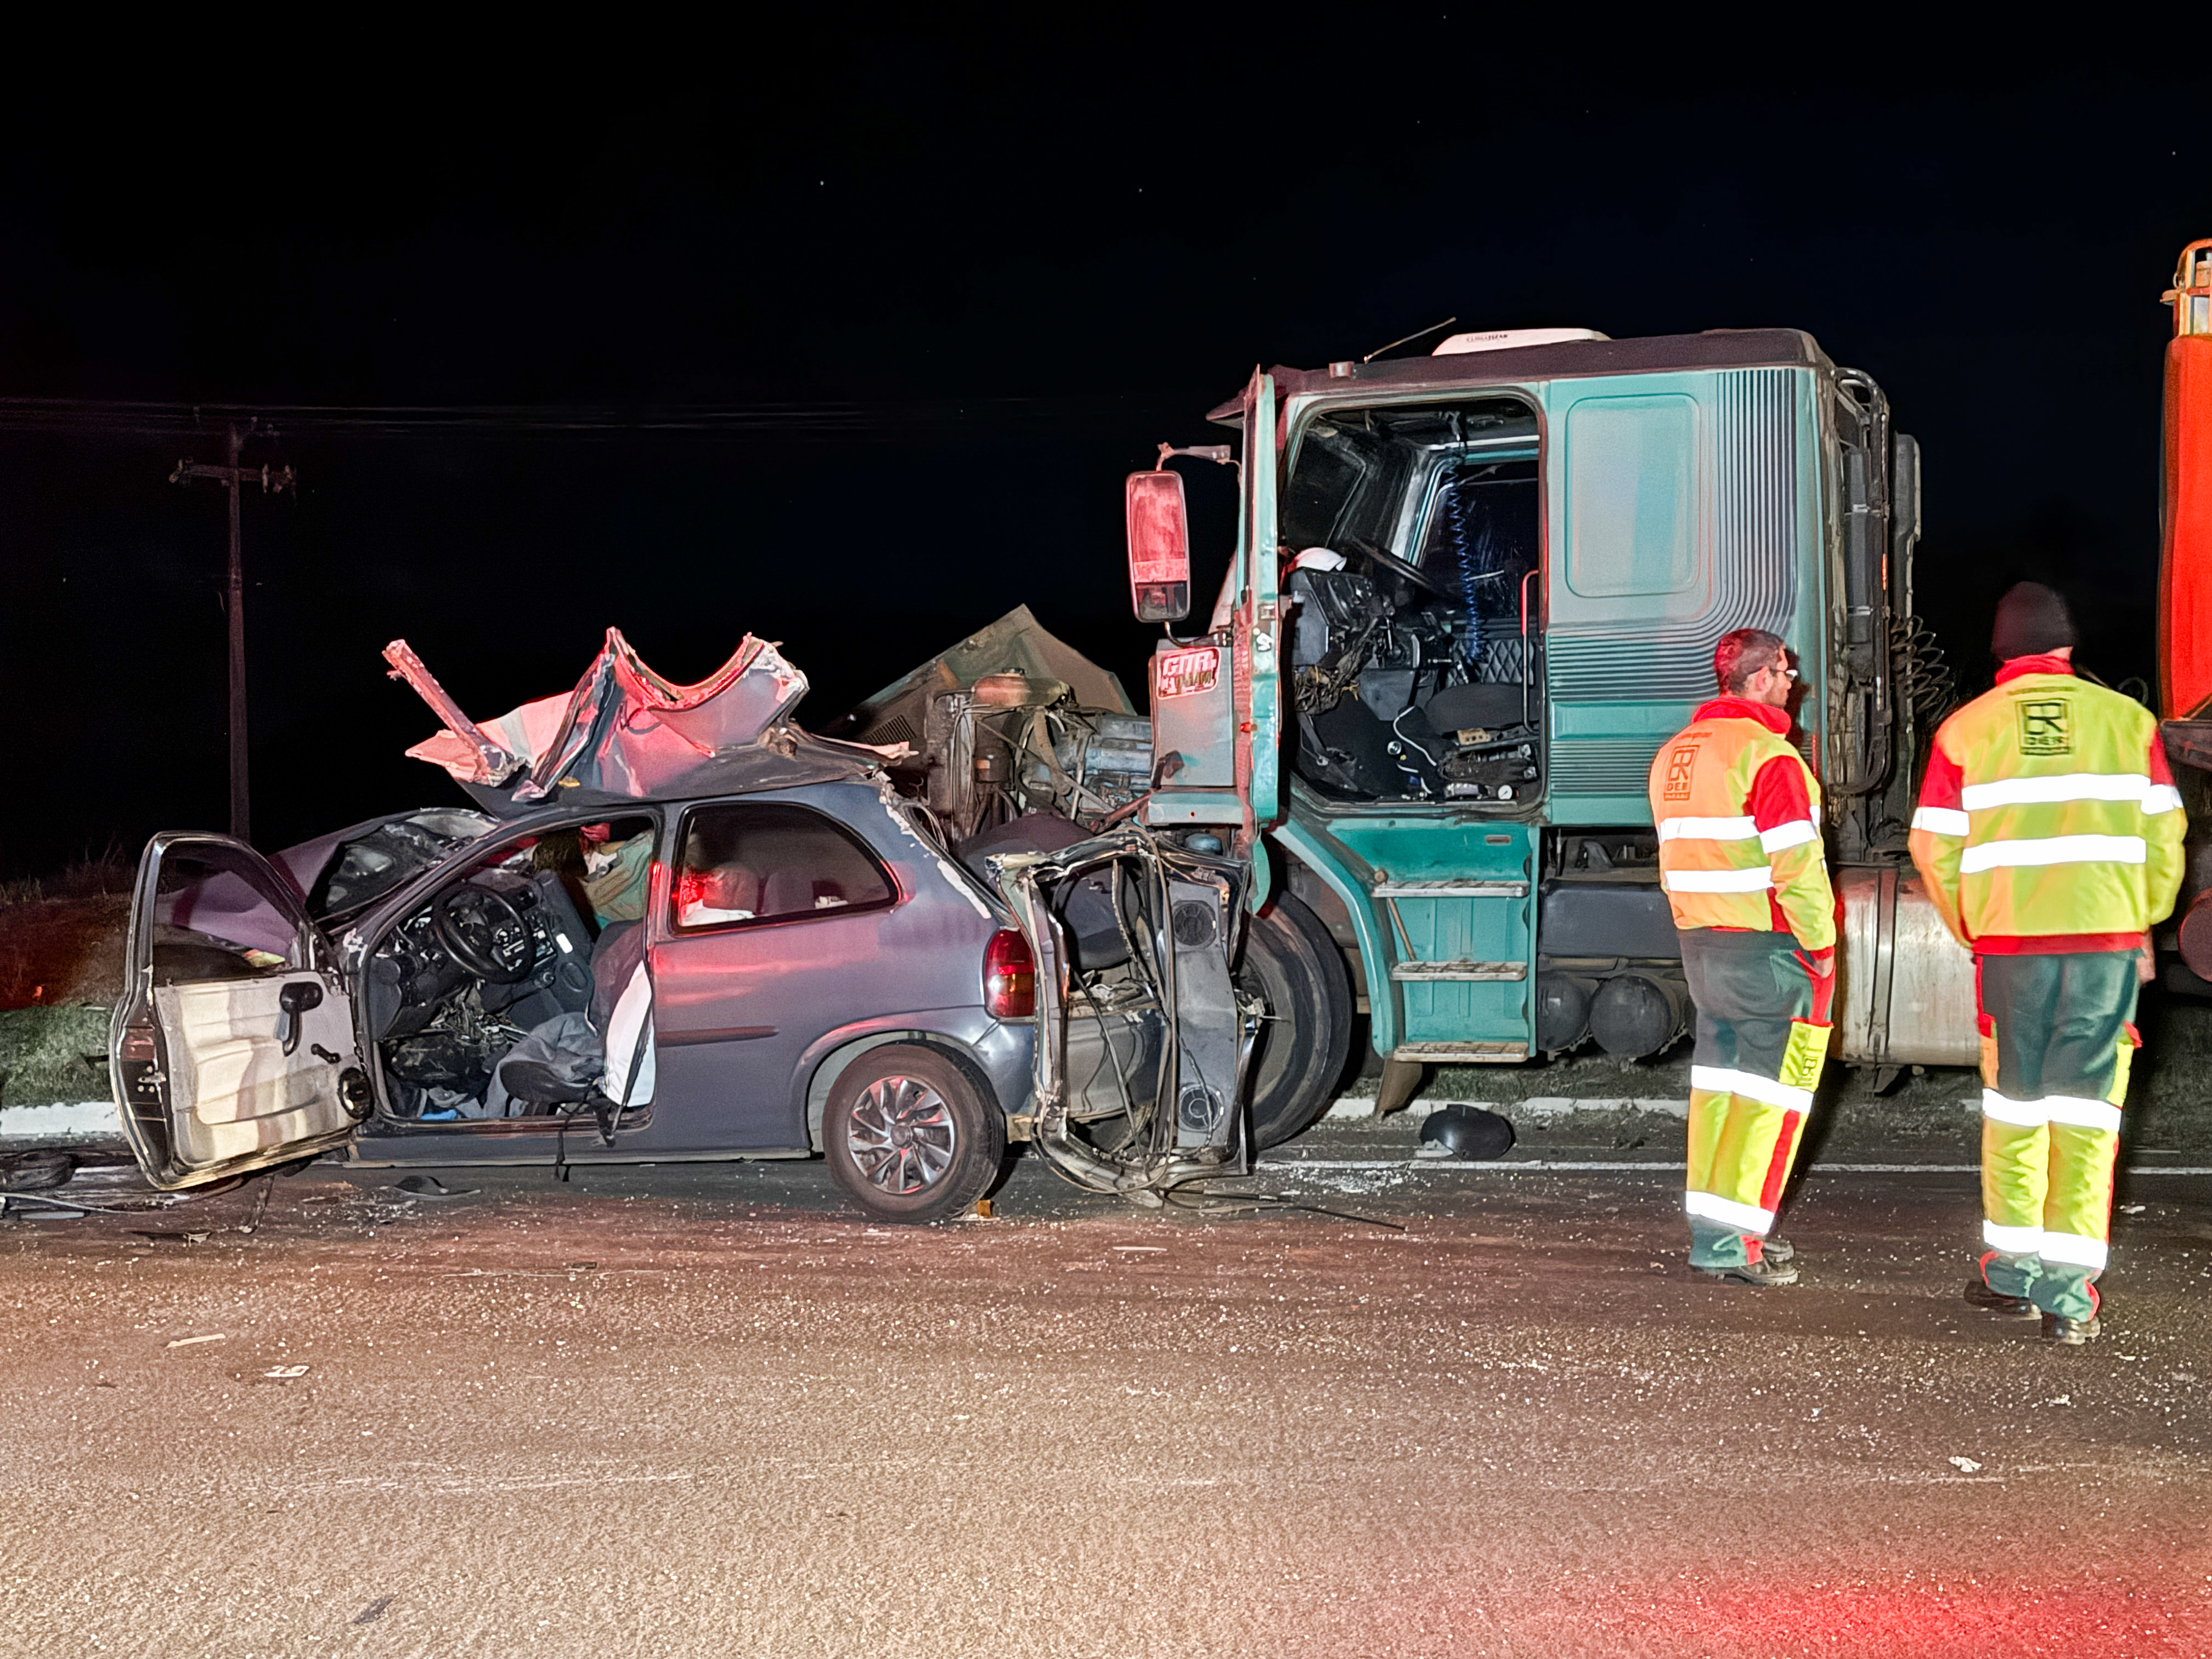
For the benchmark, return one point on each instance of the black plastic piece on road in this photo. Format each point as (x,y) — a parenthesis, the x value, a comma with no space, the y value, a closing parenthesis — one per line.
(1468,1132)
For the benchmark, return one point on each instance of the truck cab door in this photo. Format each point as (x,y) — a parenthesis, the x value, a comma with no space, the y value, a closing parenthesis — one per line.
(233,1046)
(1257,623)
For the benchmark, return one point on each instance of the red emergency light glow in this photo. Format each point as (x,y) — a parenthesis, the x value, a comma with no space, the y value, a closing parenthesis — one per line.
(1008,976)
(690,890)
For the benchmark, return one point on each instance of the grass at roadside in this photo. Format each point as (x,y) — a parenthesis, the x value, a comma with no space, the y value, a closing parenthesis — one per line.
(50,1056)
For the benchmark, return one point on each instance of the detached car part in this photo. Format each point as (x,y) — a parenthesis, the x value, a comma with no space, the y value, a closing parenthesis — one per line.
(1141,1053)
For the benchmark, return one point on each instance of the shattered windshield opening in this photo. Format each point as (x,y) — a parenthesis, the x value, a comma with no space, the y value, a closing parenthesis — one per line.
(368,867)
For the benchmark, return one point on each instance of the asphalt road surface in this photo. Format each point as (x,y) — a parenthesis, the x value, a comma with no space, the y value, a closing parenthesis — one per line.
(711,1411)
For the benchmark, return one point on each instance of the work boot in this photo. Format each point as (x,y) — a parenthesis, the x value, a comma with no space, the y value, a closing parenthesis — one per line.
(2074,1332)
(1979,1294)
(1776,1250)
(1768,1272)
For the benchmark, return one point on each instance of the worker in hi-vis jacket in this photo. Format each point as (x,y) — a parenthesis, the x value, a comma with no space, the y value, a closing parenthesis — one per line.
(2049,833)
(1742,861)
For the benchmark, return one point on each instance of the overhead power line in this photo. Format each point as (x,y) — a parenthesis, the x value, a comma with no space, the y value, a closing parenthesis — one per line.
(136,418)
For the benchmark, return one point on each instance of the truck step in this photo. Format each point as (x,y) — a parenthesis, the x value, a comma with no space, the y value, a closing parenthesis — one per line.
(1451,889)
(1462,1054)
(1459,970)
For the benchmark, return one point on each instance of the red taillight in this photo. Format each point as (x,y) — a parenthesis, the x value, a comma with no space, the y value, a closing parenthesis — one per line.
(1008,976)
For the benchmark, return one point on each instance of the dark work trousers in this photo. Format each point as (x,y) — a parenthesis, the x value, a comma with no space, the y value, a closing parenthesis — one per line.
(2056,1047)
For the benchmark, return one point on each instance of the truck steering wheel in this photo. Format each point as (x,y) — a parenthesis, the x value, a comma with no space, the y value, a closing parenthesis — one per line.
(1399,568)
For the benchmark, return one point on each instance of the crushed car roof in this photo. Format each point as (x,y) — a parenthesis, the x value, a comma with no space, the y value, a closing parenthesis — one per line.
(628,733)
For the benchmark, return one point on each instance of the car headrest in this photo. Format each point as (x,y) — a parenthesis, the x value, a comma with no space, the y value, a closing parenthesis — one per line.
(786,892)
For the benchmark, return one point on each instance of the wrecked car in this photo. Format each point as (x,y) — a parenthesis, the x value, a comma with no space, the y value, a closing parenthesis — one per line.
(446,988)
(677,925)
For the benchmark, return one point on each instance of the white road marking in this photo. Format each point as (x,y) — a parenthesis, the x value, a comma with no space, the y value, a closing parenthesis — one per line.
(82,1120)
(1537,1106)
(1576,1165)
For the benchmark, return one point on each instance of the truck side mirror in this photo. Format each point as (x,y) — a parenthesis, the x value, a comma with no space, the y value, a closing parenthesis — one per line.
(1159,546)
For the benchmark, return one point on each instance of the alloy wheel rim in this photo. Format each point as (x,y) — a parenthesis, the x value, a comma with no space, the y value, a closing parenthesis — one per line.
(901,1135)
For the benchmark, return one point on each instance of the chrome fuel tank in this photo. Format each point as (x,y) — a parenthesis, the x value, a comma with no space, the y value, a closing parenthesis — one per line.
(1905,994)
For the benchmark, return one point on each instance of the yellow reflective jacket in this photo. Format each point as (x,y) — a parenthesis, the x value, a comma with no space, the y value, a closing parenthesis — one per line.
(1739,817)
(2048,821)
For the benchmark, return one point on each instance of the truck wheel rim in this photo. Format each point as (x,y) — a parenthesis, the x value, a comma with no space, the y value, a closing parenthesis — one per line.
(901,1134)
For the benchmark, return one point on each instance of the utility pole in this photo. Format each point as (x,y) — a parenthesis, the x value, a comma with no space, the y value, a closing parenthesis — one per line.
(273,482)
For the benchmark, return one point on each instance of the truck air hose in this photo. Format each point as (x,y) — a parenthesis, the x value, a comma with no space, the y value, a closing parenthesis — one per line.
(1923,678)
(1472,550)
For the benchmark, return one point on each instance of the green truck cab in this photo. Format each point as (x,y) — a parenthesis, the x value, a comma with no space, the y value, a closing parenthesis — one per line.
(1471,595)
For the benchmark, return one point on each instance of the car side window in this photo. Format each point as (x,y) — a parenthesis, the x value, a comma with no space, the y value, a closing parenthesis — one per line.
(748,864)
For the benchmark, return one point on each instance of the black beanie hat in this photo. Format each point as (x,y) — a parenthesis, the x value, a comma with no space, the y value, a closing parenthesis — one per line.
(2031,619)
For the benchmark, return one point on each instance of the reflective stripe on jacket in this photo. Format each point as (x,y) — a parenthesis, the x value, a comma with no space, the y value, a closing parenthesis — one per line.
(2048,820)
(1738,818)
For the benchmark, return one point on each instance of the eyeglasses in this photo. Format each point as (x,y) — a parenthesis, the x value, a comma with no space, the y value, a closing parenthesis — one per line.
(1782,669)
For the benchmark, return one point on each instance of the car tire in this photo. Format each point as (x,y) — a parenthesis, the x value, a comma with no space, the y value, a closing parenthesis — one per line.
(1290,963)
(911,1134)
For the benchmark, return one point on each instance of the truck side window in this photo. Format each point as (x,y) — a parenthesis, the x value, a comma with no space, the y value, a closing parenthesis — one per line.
(1631,495)
(746,863)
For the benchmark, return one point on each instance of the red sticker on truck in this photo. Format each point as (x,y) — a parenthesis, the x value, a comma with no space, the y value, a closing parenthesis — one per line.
(1186,673)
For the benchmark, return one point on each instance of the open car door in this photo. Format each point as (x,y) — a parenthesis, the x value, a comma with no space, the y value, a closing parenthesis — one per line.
(233,1046)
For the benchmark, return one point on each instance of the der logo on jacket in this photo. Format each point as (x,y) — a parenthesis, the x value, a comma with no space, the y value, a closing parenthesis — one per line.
(1679,765)
(2046,727)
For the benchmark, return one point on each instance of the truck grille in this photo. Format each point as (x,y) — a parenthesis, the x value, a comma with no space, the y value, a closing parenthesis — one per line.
(1604,766)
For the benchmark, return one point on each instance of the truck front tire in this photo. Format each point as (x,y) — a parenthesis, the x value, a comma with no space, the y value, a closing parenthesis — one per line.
(1290,963)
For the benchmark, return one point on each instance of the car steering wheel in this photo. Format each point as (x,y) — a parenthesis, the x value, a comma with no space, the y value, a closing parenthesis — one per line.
(483,932)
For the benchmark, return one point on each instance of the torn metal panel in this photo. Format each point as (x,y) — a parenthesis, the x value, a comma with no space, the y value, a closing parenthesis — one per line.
(1016,644)
(1149,1052)
(1009,721)
(626,733)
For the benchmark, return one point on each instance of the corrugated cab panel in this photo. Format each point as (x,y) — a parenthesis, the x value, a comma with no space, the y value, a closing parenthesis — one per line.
(1647,635)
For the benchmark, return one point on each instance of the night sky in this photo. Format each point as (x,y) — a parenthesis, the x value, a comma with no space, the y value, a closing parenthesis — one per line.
(928,296)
